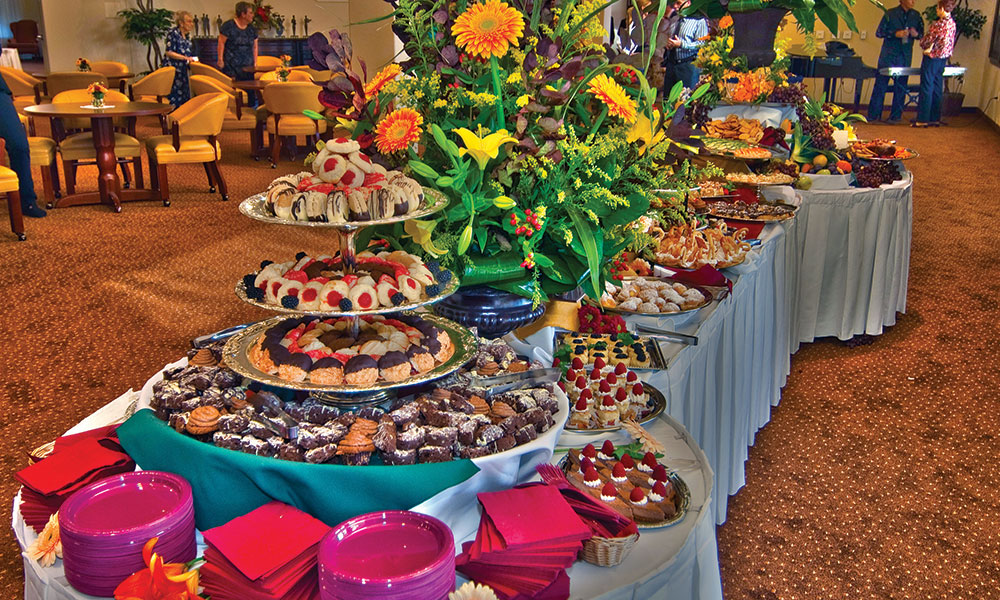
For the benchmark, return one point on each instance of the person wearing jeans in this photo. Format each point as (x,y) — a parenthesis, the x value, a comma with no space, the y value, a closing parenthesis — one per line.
(898,28)
(686,36)
(938,45)
(13,133)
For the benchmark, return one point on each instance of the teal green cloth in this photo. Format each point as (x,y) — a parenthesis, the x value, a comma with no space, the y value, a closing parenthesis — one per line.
(228,484)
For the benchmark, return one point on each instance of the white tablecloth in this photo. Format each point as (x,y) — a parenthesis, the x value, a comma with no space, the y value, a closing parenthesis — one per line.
(10,58)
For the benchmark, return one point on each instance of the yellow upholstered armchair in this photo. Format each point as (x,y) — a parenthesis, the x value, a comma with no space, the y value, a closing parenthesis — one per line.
(78,148)
(198,68)
(115,72)
(9,186)
(62,81)
(286,101)
(26,89)
(272,62)
(154,87)
(43,156)
(194,127)
(314,75)
(239,117)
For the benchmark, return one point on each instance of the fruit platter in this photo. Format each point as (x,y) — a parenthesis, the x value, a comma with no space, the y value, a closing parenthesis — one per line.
(880,149)
(654,296)
(760,212)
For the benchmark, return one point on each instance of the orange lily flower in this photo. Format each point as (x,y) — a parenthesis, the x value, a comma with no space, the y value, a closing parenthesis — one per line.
(160,581)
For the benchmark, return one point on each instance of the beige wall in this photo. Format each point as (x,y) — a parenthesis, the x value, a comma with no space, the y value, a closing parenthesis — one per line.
(91,28)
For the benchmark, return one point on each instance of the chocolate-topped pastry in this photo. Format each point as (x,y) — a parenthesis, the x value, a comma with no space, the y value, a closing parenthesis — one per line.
(361,370)
(382,203)
(385,437)
(357,459)
(329,434)
(337,340)
(290,451)
(432,345)
(170,373)
(213,397)
(476,451)
(258,430)
(524,403)
(295,367)
(467,433)
(394,366)
(347,419)
(441,436)
(525,434)
(252,445)
(174,393)
(234,423)
(228,440)
(411,439)
(178,421)
(327,371)
(405,415)
(433,454)
(336,207)
(458,403)
(505,443)
(357,203)
(400,457)
(199,381)
(226,378)
(321,454)
(372,413)
(487,434)
(420,358)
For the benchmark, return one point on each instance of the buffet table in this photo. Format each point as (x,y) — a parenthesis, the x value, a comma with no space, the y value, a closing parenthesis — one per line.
(676,561)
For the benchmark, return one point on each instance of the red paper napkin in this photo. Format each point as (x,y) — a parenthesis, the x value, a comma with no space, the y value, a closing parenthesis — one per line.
(753,229)
(73,467)
(536,515)
(107,432)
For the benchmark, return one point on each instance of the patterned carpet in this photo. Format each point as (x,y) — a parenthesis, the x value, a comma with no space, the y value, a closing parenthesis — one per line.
(877,477)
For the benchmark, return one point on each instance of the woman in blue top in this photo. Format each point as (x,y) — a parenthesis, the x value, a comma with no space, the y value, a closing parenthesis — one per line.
(238,43)
(898,28)
(179,54)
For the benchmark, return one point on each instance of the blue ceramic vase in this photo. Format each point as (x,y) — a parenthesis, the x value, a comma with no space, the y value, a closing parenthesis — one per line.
(494,312)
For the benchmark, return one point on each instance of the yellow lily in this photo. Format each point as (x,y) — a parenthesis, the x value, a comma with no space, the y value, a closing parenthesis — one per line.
(483,148)
(421,232)
(642,130)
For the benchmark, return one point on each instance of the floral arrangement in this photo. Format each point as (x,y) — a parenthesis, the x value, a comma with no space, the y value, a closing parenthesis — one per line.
(97,92)
(286,61)
(264,16)
(728,76)
(82,64)
(160,580)
(546,151)
(592,320)
(282,72)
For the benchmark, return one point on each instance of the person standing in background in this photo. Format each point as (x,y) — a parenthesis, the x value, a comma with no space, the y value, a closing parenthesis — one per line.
(685,35)
(898,28)
(938,45)
(238,43)
(18,151)
(179,54)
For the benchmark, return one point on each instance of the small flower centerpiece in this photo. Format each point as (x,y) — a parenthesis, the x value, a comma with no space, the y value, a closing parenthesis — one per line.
(82,64)
(546,150)
(264,17)
(97,92)
(730,78)
(284,70)
(286,61)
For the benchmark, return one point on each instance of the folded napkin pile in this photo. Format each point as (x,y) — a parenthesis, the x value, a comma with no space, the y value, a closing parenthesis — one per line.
(76,461)
(268,553)
(527,538)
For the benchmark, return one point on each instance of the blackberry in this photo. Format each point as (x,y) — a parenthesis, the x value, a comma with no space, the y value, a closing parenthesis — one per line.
(433,289)
(397,298)
(433,266)
(264,263)
(346,304)
(289,301)
(248,280)
(255,293)
(300,256)
(444,276)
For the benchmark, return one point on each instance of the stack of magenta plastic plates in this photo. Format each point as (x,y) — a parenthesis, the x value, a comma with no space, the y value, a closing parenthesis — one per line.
(390,555)
(105,525)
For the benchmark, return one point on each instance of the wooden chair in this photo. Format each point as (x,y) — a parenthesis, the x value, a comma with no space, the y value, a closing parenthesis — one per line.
(10,186)
(286,101)
(78,148)
(263,60)
(239,117)
(113,70)
(43,156)
(62,81)
(293,75)
(154,87)
(193,130)
(25,37)
(26,89)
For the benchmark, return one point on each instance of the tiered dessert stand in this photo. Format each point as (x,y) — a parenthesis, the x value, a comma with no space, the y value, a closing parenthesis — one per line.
(236,349)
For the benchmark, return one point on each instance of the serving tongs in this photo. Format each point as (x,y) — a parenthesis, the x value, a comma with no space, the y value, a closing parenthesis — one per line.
(658,333)
(207,340)
(273,417)
(499,384)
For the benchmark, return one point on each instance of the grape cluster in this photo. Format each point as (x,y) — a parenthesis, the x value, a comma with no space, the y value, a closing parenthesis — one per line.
(789,94)
(697,114)
(822,134)
(872,174)
(790,169)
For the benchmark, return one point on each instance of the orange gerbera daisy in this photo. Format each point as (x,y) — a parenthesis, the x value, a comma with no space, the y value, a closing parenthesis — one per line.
(613,96)
(397,130)
(725,21)
(488,29)
(381,78)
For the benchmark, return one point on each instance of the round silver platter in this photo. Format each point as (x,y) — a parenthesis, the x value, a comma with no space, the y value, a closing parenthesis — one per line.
(255,207)
(786,217)
(709,296)
(451,288)
(679,486)
(236,358)
(655,397)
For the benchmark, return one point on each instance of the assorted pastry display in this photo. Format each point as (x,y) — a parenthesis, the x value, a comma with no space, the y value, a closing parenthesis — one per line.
(496,357)
(383,280)
(687,247)
(212,404)
(344,185)
(759,211)
(642,490)
(614,347)
(605,395)
(881,149)
(653,296)
(324,351)
(773,178)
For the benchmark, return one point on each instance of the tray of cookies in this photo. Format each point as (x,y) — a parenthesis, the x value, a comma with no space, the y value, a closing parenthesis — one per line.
(638,353)
(644,490)
(326,355)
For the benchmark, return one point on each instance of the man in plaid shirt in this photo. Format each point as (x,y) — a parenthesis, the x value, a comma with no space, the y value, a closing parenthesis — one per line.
(937,45)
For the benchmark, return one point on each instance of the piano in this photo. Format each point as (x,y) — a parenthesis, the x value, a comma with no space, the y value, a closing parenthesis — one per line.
(831,69)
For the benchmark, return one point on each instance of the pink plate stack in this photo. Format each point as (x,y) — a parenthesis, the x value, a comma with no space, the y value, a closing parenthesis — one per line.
(390,555)
(105,525)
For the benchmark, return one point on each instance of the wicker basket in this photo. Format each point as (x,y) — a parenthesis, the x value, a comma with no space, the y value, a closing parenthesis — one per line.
(607,552)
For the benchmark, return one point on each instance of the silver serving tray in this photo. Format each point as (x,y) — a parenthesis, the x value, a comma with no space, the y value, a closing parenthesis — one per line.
(655,398)
(709,297)
(786,217)
(679,485)
(234,354)
(255,207)
(656,360)
(451,288)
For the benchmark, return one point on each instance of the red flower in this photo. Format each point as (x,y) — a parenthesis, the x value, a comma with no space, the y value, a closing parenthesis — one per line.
(589,317)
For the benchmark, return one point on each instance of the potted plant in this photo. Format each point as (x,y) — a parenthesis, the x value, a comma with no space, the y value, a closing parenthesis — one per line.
(969,22)
(147,25)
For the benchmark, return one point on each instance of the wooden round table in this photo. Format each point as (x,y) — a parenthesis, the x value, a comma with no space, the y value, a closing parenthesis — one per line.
(110,191)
